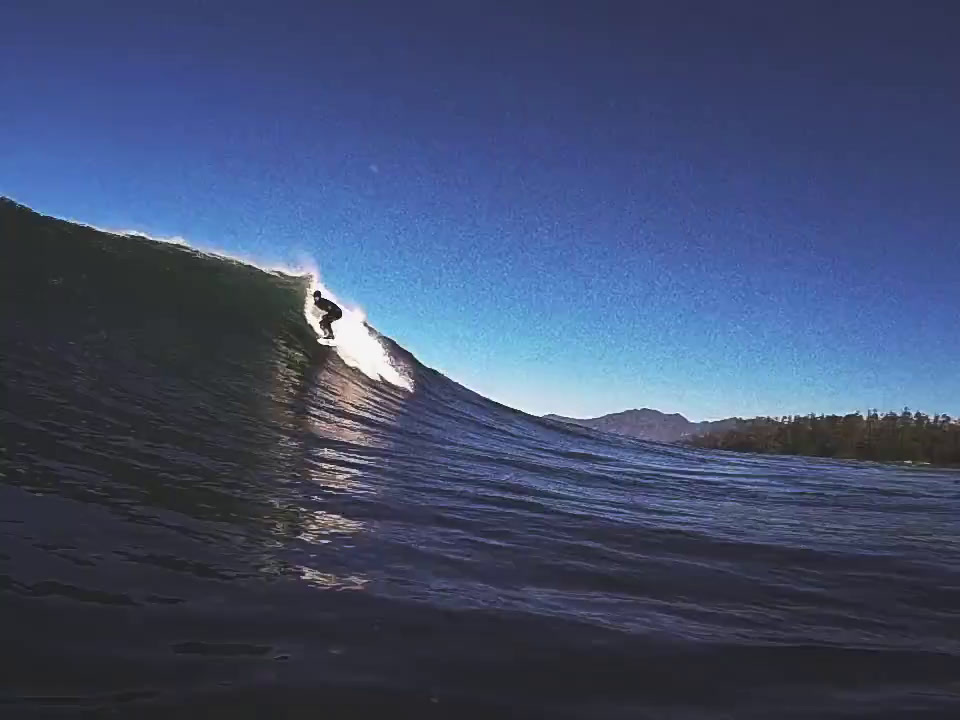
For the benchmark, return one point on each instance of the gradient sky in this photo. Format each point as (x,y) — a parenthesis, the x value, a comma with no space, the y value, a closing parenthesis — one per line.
(715,208)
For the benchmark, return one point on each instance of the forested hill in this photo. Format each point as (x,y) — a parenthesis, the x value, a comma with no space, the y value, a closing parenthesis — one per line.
(906,436)
(648,424)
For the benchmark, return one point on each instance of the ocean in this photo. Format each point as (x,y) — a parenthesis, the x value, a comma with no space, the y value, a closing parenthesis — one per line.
(205,512)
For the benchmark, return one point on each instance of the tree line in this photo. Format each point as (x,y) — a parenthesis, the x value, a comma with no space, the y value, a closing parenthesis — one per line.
(905,436)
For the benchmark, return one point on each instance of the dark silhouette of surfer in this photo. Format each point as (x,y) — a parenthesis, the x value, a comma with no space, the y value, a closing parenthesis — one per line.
(331,312)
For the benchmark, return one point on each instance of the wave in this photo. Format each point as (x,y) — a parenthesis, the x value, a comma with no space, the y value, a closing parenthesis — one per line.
(357,344)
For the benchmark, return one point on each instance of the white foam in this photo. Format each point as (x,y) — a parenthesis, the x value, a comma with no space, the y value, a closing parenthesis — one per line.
(354,342)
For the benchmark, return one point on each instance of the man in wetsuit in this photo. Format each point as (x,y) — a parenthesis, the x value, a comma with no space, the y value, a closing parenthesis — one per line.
(331,312)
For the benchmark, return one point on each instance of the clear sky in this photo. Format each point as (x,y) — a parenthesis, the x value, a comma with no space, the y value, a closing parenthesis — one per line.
(712,208)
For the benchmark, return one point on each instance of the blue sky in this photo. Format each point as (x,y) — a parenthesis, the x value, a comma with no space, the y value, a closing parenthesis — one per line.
(709,208)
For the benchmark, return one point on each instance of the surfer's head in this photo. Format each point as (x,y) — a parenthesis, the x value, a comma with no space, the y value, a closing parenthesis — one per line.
(316,295)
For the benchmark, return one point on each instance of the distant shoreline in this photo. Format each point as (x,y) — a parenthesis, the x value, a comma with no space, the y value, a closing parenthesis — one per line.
(906,437)
(909,438)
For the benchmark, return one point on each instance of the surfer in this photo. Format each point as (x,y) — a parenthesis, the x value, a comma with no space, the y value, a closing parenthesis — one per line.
(331,312)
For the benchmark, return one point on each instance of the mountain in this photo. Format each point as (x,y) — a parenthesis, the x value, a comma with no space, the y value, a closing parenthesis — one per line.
(648,424)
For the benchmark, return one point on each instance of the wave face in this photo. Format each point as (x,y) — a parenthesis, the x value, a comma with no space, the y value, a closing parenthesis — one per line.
(205,511)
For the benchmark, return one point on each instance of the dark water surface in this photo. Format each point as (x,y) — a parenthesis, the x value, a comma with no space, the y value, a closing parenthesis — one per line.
(205,513)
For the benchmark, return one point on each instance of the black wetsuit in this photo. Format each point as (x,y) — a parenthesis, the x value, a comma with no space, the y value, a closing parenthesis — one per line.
(332,312)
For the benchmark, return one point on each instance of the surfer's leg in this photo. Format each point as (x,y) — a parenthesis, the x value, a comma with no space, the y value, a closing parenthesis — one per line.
(331,317)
